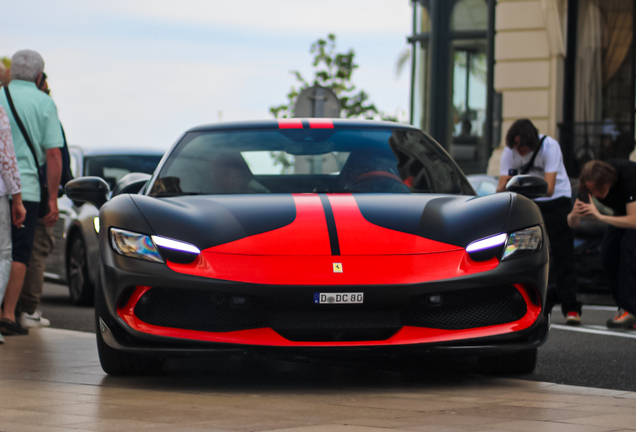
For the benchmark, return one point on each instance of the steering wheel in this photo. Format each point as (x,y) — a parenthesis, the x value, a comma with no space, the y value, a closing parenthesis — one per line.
(377,181)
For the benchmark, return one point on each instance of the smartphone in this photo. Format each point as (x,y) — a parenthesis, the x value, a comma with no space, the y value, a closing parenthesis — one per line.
(584,198)
(513,172)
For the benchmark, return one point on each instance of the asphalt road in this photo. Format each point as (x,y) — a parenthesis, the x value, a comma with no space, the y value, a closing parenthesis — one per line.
(589,355)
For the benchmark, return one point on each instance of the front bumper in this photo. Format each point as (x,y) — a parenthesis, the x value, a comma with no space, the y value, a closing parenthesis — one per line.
(125,281)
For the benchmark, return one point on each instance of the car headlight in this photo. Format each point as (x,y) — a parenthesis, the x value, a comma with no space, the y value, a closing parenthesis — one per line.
(505,246)
(176,251)
(487,248)
(134,245)
(152,248)
(524,242)
(96,224)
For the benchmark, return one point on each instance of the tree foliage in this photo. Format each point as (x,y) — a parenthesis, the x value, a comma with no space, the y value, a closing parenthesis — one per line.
(333,70)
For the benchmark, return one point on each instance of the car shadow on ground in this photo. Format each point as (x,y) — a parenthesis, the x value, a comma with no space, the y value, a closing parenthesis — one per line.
(244,373)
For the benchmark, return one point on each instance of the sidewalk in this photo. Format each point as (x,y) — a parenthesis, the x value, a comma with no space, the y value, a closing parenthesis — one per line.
(51,381)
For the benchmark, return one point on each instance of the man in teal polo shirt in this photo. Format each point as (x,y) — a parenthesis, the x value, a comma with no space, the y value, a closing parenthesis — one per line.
(39,116)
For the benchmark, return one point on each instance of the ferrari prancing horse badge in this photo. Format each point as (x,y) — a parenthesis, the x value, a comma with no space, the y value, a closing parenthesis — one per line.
(337,267)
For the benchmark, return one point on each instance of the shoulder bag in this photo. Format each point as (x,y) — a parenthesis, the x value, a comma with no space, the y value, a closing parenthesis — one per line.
(527,167)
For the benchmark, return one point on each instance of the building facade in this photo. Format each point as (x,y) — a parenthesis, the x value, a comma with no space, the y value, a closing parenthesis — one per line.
(568,65)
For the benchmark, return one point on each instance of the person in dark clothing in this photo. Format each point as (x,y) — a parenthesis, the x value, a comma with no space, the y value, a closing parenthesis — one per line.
(528,152)
(613,183)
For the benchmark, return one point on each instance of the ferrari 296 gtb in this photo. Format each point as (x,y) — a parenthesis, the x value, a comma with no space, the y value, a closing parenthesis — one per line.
(315,234)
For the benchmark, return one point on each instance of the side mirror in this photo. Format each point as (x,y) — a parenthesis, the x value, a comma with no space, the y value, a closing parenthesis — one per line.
(131,183)
(88,189)
(529,186)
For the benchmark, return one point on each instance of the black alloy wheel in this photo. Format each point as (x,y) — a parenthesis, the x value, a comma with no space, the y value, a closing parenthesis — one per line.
(80,288)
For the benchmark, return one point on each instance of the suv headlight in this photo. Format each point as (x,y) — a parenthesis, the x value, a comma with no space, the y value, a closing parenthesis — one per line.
(134,245)
(524,242)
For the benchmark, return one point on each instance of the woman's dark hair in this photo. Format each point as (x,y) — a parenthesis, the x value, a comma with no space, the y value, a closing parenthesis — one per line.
(597,172)
(527,133)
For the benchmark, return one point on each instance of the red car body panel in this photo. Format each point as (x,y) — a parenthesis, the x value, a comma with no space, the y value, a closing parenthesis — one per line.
(300,254)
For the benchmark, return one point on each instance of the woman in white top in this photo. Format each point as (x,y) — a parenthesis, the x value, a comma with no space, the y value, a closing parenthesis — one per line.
(10,185)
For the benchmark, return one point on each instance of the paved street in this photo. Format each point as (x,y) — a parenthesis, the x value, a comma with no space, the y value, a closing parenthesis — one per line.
(51,381)
(590,355)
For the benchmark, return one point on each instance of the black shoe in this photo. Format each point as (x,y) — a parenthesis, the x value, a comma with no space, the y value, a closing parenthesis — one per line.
(12,328)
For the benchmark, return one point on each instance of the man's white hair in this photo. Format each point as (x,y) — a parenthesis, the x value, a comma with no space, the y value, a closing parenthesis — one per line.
(26,65)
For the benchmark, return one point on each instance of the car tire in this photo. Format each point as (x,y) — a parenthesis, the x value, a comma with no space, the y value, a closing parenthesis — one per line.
(80,287)
(516,363)
(113,361)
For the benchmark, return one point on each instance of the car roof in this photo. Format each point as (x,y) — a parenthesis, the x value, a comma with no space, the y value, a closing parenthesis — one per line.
(306,123)
(111,151)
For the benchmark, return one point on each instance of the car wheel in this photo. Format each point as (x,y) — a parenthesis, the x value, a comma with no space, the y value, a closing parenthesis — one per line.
(520,362)
(80,288)
(113,361)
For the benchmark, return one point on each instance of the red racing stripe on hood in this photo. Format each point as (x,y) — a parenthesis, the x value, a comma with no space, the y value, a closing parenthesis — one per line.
(357,236)
(306,235)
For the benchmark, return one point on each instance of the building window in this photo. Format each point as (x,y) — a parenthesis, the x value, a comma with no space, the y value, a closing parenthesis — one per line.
(470,15)
(452,92)
(601,123)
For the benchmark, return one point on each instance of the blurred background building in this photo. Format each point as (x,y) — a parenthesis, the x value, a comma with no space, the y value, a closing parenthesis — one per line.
(568,65)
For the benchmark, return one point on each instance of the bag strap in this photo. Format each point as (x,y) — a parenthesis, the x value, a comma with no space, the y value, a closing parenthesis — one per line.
(526,168)
(18,120)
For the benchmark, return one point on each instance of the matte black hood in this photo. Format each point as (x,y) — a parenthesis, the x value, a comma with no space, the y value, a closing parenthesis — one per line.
(208,221)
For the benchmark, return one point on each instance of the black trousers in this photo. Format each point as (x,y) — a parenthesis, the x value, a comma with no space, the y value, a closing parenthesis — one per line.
(555,215)
(619,259)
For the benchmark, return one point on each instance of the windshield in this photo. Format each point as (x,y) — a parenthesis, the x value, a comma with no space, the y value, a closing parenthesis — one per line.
(308,160)
(113,167)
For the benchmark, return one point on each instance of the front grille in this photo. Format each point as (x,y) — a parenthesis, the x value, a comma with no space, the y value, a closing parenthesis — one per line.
(469,308)
(199,310)
(300,320)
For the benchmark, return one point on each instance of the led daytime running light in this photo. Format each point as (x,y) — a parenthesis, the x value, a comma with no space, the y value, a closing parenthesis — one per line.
(487,243)
(175,245)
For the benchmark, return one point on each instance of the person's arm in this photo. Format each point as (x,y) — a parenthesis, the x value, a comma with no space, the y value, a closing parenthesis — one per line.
(574,218)
(505,164)
(18,212)
(550,177)
(503,181)
(53,176)
(628,221)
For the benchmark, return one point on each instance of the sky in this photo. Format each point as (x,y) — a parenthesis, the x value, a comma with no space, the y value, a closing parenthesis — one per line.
(138,73)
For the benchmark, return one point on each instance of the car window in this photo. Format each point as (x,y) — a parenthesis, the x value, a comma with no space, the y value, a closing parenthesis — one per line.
(308,160)
(113,167)
(486,188)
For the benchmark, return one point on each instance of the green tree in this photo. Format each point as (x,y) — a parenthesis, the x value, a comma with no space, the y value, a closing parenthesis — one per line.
(333,70)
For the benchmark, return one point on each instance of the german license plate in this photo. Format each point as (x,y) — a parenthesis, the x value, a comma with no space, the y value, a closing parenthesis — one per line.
(338,298)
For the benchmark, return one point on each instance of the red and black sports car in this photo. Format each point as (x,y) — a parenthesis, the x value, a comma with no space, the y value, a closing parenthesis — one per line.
(314,234)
